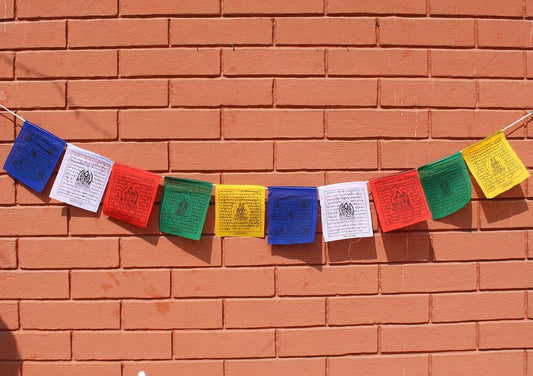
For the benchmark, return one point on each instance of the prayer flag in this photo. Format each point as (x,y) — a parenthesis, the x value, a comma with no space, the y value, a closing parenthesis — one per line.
(345,211)
(130,194)
(292,215)
(184,207)
(399,200)
(446,184)
(240,210)
(82,178)
(34,156)
(495,165)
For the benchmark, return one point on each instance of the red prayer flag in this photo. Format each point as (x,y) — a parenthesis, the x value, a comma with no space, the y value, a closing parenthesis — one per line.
(130,194)
(400,200)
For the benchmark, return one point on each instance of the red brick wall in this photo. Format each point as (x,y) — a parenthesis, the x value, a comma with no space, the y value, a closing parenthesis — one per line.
(277,92)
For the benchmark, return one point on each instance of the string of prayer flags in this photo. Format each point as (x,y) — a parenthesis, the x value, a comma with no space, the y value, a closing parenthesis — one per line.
(240,210)
(345,211)
(130,194)
(399,200)
(34,156)
(446,184)
(184,207)
(292,215)
(495,165)
(82,178)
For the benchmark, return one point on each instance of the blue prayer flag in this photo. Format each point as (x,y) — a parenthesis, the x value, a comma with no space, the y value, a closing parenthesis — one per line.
(34,156)
(292,215)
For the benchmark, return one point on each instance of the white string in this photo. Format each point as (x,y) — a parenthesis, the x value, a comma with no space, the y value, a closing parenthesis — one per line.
(12,113)
(518,121)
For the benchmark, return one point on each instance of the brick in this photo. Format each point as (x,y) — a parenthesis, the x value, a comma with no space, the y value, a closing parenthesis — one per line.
(505,335)
(411,365)
(298,178)
(7,131)
(176,368)
(327,341)
(133,153)
(428,338)
(7,190)
(501,64)
(225,344)
(68,253)
(505,33)
(529,64)
(235,282)
(4,152)
(506,275)
(163,252)
(476,8)
(428,93)
(505,214)
(10,368)
(505,94)
(114,345)
(33,35)
(65,9)
(51,315)
(118,93)
(169,62)
(35,345)
(471,123)
(169,124)
(339,92)
(221,92)
(428,278)
(66,64)
(226,156)
(395,7)
(9,9)
(83,222)
(169,7)
(521,147)
(274,62)
(42,221)
(6,65)
(220,31)
(378,310)
(253,252)
(477,306)
(337,280)
(375,123)
(478,246)
(377,62)
(381,248)
(412,154)
(71,368)
(426,32)
(182,314)
(327,155)
(326,31)
(464,219)
(120,284)
(274,313)
(34,94)
(9,315)
(276,7)
(530,304)
(77,125)
(118,33)
(272,124)
(495,363)
(276,367)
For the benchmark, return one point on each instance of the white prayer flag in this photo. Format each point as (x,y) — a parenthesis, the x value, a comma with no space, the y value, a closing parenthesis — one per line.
(82,178)
(345,211)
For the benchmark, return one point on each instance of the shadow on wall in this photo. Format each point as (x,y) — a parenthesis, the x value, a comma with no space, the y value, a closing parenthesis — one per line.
(9,355)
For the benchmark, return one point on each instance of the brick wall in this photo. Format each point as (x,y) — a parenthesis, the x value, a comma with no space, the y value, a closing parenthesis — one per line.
(278,92)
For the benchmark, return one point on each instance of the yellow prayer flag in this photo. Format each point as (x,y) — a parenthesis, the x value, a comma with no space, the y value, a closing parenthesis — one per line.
(495,165)
(240,210)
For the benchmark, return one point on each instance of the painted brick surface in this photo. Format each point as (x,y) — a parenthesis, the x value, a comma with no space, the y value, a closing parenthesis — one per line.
(278,92)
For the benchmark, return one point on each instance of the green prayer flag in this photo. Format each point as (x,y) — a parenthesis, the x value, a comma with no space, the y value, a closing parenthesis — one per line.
(184,207)
(446,184)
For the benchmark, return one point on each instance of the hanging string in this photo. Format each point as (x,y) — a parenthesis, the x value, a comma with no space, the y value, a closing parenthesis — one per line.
(518,121)
(14,114)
